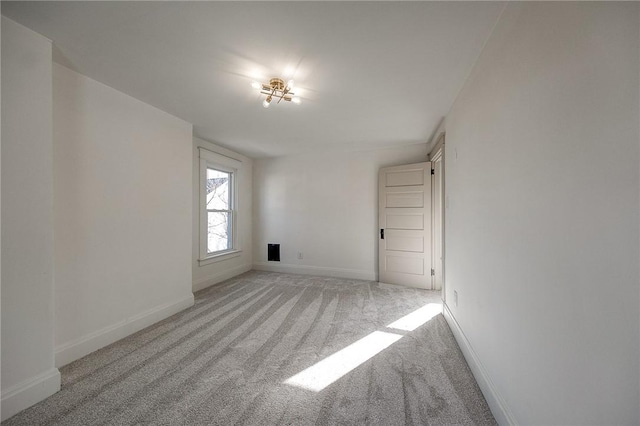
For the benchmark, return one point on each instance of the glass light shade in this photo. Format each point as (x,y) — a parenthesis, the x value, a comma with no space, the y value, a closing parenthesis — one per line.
(290,84)
(266,103)
(296,100)
(256,85)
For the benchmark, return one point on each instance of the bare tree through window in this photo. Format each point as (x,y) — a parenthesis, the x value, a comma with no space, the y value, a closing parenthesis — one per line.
(218,205)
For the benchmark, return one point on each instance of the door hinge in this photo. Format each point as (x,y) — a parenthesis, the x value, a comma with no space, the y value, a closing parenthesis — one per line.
(433,172)
(433,272)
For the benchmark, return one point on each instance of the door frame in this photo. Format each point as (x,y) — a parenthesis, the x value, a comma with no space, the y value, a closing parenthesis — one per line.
(437,156)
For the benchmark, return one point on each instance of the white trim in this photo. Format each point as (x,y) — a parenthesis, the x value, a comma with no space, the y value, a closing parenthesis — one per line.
(76,349)
(497,404)
(437,156)
(219,257)
(351,274)
(214,157)
(438,148)
(219,277)
(230,165)
(29,392)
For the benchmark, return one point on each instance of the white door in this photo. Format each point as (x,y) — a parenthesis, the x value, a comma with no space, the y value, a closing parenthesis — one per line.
(405,225)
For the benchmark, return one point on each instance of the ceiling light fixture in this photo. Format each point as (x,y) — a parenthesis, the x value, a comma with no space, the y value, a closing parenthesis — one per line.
(276,89)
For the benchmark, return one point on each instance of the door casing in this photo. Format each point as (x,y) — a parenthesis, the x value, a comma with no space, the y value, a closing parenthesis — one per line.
(438,216)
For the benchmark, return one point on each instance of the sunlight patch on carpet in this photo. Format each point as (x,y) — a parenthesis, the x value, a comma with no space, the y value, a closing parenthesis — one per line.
(417,318)
(330,369)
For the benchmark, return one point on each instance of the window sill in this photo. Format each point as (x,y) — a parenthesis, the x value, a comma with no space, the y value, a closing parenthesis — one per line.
(219,257)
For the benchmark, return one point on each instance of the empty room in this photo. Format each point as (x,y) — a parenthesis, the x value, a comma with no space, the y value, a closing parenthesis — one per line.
(297,213)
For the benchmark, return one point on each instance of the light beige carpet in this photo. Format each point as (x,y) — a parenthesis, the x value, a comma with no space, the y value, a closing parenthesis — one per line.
(267,348)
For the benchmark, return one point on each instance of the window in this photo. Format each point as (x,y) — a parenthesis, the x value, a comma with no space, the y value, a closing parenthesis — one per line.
(218,206)
(219,202)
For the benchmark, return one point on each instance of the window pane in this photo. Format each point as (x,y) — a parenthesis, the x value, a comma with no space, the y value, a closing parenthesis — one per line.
(218,184)
(218,231)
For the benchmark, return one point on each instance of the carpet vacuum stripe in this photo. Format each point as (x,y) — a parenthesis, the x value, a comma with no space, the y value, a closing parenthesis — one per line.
(227,359)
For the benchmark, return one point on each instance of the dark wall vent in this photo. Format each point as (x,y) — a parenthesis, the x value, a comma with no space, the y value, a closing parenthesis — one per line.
(273,252)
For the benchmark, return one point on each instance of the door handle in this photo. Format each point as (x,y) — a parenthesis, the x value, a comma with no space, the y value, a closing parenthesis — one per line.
(382,234)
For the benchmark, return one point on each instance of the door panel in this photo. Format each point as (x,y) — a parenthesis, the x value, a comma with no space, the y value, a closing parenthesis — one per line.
(405,216)
(406,198)
(405,178)
(405,265)
(404,220)
(404,241)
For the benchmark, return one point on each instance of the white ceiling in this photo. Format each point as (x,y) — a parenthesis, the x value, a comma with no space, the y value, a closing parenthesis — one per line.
(373,74)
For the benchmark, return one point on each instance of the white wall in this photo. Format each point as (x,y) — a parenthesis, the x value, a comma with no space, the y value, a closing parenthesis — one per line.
(208,274)
(122,207)
(542,226)
(324,205)
(28,373)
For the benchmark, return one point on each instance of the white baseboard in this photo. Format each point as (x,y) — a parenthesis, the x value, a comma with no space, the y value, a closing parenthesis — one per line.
(220,276)
(496,403)
(76,349)
(352,274)
(29,392)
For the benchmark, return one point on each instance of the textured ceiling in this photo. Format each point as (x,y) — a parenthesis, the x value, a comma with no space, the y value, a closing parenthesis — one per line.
(372,74)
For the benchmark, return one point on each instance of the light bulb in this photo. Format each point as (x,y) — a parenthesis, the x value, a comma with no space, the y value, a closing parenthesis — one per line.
(290,84)
(256,85)
(266,103)
(296,100)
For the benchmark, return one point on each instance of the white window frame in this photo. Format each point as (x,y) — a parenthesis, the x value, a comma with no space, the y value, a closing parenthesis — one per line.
(210,159)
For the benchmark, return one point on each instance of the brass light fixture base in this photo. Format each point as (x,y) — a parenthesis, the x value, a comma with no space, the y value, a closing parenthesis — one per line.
(277,88)
(277,84)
